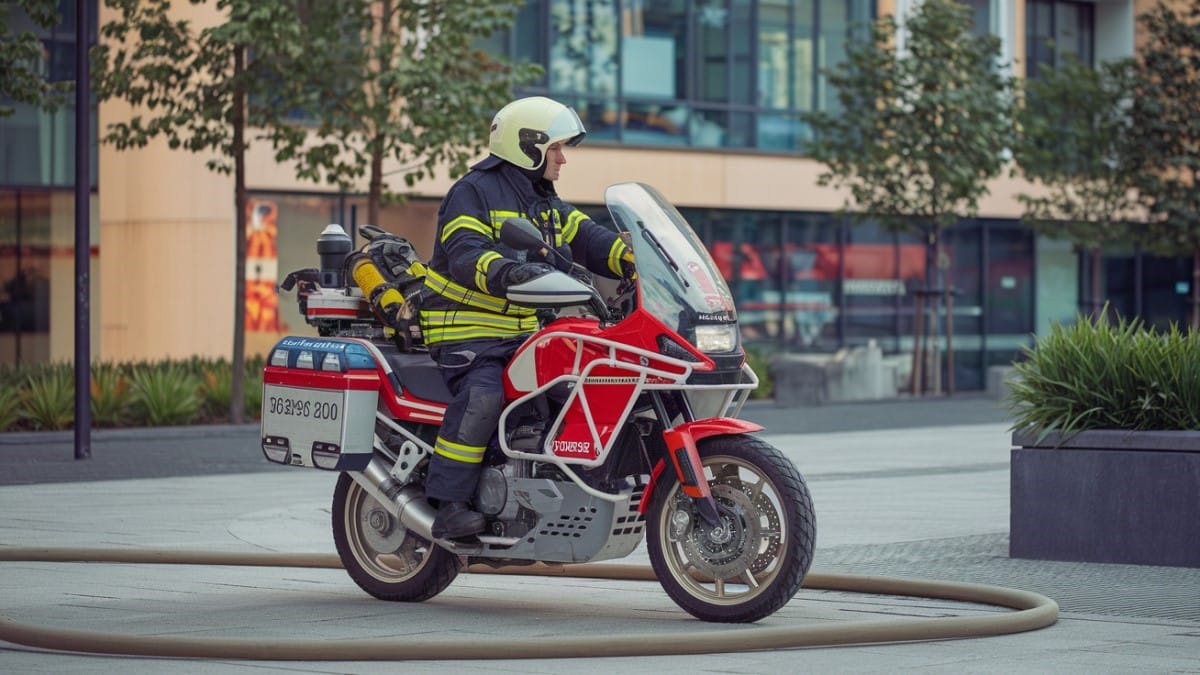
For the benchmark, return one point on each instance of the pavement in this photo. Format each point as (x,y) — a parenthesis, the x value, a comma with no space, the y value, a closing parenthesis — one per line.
(913,488)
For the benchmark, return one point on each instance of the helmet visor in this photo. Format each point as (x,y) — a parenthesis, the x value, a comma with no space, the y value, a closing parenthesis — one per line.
(566,127)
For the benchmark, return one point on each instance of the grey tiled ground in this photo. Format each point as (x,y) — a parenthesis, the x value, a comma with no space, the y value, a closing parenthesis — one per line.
(921,501)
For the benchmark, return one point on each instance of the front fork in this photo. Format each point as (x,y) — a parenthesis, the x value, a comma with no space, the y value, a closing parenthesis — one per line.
(685,457)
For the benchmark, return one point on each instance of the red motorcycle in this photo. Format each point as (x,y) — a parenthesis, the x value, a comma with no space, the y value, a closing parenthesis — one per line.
(620,426)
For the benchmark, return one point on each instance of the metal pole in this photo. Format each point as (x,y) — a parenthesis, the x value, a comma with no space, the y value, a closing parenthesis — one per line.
(83,245)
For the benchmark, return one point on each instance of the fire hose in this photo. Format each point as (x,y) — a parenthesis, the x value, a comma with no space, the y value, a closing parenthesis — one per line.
(1033,611)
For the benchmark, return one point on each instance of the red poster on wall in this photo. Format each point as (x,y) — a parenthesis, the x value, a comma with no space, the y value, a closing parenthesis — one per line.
(262,266)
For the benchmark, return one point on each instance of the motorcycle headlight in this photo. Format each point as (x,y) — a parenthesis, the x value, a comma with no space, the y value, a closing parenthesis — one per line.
(716,338)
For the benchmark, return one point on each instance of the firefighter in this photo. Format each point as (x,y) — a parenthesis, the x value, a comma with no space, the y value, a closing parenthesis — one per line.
(469,327)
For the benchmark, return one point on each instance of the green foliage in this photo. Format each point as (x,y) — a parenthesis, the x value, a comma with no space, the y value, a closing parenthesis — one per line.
(1166,123)
(414,89)
(183,83)
(195,390)
(1097,375)
(216,388)
(165,394)
(254,384)
(759,362)
(21,58)
(10,404)
(1074,141)
(110,395)
(916,136)
(48,398)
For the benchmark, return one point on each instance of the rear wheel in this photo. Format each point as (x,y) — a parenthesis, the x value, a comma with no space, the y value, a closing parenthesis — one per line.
(754,561)
(382,556)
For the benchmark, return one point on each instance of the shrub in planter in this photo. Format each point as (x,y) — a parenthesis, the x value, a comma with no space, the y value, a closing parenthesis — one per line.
(216,389)
(1107,463)
(110,395)
(48,398)
(1099,375)
(165,394)
(253,386)
(10,405)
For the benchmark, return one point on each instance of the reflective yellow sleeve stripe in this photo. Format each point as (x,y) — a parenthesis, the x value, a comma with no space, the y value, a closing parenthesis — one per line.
(465,223)
(614,256)
(458,452)
(462,295)
(572,226)
(481,268)
(498,217)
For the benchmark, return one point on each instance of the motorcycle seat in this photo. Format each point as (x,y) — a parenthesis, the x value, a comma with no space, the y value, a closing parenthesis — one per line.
(418,374)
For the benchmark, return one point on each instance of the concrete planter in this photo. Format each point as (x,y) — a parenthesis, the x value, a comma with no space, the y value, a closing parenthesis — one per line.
(1129,497)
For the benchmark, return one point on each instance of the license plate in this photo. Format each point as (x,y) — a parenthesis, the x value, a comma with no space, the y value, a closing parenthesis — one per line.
(321,428)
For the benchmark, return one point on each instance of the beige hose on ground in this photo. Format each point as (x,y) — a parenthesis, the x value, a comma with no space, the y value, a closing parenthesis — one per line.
(1033,611)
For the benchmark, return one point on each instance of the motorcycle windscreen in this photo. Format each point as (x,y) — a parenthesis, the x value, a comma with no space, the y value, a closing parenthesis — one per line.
(678,282)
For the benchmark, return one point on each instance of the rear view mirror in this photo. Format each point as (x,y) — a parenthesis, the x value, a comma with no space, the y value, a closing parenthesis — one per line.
(521,234)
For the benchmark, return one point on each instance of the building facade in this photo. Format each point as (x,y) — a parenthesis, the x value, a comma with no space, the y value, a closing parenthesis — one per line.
(700,98)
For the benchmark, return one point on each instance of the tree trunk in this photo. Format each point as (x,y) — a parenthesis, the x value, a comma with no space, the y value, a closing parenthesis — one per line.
(375,194)
(1096,293)
(935,310)
(237,398)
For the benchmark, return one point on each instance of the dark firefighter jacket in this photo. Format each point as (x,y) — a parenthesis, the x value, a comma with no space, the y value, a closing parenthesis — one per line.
(464,282)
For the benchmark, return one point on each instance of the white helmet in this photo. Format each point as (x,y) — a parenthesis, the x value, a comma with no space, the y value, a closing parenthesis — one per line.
(523,129)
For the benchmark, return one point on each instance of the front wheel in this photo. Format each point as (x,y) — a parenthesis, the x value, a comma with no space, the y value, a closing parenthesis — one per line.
(382,556)
(754,561)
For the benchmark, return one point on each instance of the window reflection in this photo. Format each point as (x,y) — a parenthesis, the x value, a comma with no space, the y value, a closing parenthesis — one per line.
(1054,28)
(701,73)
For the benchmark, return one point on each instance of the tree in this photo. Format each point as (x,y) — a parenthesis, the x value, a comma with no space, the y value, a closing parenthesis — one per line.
(23,58)
(201,92)
(1075,141)
(917,135)
(1166,123)
(414,88)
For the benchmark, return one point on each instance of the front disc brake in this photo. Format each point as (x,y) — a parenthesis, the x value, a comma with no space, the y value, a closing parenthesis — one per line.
(728,551)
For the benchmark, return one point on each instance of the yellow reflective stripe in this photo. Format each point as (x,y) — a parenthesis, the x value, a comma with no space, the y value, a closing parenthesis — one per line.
(572,226)
(459,333)
(465,223)
(498,217)
(443,318)
(417,269)
(614,256)
(481,268)
(469,454)
(450,290)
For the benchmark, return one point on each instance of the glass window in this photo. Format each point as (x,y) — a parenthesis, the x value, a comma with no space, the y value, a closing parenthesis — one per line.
(1054,28)
(724,51)
(1009,285)
(24,277)
(746,246)
(882,272)
(1166,291)
(654,47)
(981,15)
(38,147)
(723,73)
(831,42)
(583,54)
(810,268)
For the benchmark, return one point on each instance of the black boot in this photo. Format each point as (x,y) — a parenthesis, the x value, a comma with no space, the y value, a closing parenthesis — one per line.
(456,520)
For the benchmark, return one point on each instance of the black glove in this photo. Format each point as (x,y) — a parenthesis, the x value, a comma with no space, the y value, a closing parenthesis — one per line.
(522,272)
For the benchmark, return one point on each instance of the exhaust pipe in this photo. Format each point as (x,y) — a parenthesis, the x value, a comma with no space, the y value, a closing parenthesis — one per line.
(406,503)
